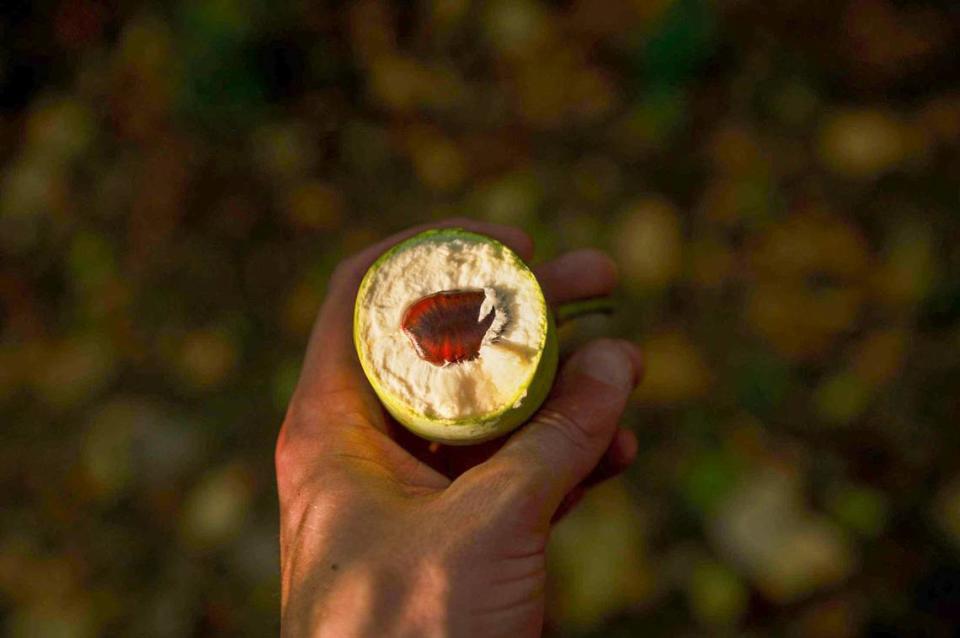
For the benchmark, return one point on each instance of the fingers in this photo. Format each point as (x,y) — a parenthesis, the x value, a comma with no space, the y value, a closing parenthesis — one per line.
(577,275)
(567,438)
(331,365)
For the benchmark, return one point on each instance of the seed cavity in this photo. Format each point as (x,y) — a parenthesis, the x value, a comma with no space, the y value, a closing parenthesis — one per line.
(450,326)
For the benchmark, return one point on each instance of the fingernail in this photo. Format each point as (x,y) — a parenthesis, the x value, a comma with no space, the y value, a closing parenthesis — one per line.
(606,362)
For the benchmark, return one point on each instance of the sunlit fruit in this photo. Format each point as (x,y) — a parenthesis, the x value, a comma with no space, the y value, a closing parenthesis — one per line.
(455,336)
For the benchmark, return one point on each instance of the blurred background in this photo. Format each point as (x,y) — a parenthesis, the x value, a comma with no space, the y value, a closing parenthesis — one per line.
(778,181)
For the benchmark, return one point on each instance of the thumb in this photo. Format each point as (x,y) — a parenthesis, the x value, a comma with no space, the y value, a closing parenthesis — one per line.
(569,435)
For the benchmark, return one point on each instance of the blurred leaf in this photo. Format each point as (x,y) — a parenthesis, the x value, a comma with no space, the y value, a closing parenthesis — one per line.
(91,260)
(859,508)
(675,370)
(762,382)
(709,479)
(841,398)
(862,143)
(597,560)
(74,370)
(206,357)
(511,199)
(221,86)
(216,507)
(648,244)
(787,551)
(681,41)
(910,268)
(285,382)
(716,594)
(946,509)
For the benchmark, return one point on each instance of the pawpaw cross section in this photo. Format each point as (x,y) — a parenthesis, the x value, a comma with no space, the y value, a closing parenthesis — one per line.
(446,327)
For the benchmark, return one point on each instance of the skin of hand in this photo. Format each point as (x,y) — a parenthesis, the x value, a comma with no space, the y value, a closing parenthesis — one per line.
(382,534)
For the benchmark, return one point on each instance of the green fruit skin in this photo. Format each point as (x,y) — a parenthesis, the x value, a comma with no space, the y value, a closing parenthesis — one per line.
(473,430)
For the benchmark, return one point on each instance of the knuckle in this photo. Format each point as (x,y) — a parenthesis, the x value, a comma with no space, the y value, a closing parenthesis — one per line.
(505,485)
(500,478)
(281,451)
(494,478)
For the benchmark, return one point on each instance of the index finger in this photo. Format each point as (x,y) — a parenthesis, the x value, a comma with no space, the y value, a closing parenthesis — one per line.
(331,364)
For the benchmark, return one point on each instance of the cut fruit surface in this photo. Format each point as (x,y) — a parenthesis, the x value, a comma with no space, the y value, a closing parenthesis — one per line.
(448,327)
(454,334)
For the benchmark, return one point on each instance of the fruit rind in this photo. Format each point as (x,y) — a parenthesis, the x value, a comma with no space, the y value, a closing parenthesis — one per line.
(475,429)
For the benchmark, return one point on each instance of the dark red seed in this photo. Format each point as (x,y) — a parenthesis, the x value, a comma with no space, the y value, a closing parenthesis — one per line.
(444,326)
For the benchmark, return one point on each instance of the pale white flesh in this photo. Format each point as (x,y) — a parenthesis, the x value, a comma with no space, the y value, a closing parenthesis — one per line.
(498,377)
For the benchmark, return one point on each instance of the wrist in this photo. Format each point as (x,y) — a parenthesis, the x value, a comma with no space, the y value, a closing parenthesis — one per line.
(364,599)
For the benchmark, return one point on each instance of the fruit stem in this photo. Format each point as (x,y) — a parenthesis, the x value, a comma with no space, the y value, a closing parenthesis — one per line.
(576,309)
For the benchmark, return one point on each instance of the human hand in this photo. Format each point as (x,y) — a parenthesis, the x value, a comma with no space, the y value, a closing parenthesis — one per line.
(384,534)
